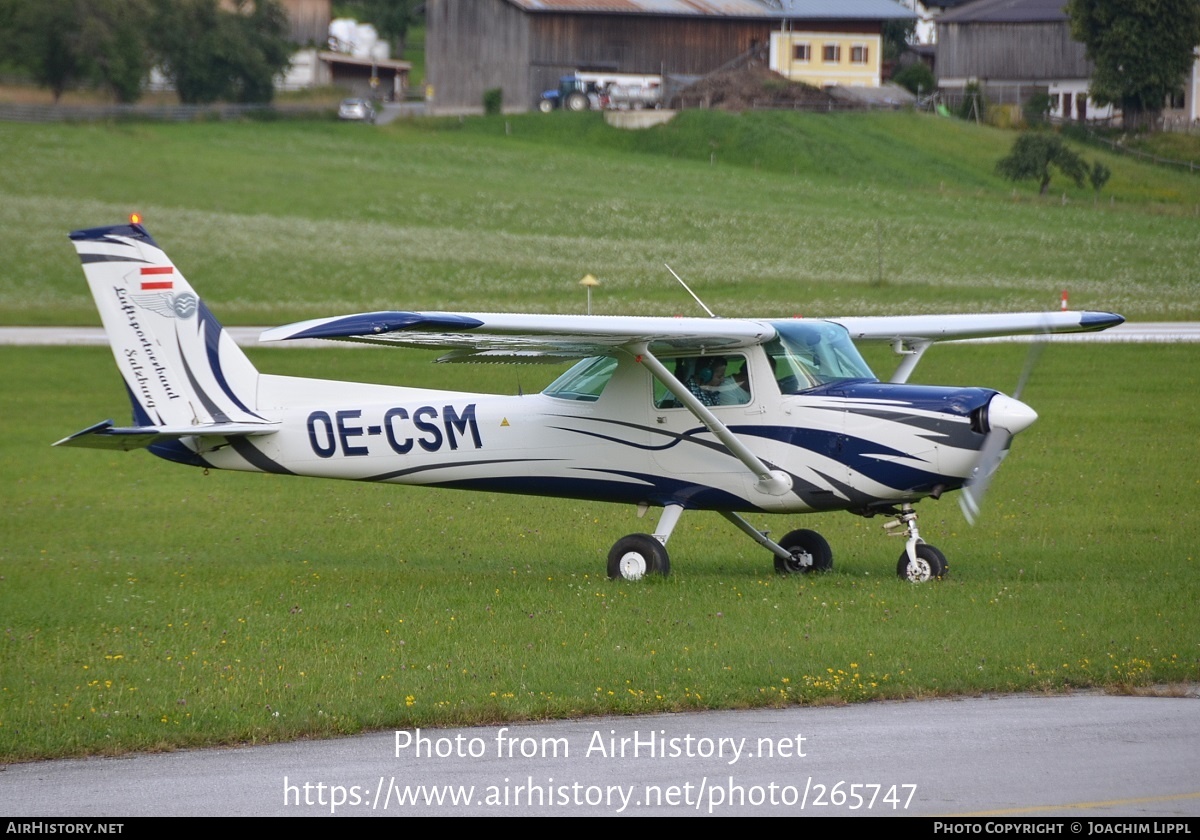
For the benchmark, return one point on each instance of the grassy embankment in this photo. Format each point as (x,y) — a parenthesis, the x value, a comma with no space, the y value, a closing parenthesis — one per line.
(860,214)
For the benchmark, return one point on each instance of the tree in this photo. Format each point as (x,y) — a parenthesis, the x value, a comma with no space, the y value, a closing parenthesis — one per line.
(1032,156)
(897,34)
(65,43)
(115,41)
(212,54)
(1141,49)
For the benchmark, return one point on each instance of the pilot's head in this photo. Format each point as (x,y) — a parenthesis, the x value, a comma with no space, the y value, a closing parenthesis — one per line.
(711,370)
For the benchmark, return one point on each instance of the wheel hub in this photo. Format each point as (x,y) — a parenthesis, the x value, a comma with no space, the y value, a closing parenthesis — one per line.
(633,566)
(919,571)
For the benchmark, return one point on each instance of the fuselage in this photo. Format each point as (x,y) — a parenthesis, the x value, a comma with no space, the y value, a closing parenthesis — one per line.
(851,445)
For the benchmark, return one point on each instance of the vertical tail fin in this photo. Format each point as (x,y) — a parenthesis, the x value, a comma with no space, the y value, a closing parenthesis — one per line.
(180,366)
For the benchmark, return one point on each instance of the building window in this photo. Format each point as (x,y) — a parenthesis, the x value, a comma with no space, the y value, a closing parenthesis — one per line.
(858,54)
(801,52)
(832,54)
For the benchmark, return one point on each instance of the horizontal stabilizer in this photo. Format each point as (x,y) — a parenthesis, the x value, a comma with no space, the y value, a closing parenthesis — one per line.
(105,435)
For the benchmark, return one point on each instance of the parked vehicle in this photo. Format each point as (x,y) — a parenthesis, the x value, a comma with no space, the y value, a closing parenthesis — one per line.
(356,109)
(593,91)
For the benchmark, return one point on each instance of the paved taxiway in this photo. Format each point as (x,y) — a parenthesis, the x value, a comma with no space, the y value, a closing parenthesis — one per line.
(1144,332)
(1011,756)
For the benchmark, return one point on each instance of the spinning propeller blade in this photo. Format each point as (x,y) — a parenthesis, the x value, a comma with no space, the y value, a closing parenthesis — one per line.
(1031,361)
(990,456)
(1005,417)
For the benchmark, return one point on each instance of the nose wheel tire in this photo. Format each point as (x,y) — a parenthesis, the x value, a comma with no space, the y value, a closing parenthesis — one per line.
(930,565)
(637,555)
(810,553)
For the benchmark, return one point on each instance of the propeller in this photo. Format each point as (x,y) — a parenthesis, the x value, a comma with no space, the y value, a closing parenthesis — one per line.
(1005,417)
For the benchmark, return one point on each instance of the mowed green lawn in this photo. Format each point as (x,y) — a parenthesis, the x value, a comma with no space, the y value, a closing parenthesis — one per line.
(147,605)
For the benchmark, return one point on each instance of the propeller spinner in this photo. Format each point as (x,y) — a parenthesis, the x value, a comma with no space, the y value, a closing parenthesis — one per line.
(1006,416)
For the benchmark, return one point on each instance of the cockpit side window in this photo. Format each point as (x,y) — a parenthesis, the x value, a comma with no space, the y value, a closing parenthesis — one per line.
(584,381)
(714,380)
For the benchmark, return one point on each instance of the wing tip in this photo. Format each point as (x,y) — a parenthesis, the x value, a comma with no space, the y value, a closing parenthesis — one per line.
(1096,321)
(368,324)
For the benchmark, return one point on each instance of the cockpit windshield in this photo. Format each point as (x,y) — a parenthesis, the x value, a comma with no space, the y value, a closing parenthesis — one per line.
(807,354)
(584,381)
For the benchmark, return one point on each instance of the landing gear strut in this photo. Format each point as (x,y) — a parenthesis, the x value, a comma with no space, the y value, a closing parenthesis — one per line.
(800,551)
(920,562)
(637,555)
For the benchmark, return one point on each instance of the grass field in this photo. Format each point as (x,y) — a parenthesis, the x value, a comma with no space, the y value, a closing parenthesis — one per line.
(825,215)
(150,606)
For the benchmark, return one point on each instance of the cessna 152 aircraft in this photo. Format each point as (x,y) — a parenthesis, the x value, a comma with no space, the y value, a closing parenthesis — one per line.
(727,414)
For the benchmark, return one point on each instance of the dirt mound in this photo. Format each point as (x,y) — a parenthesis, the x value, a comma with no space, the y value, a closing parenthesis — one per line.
(747,87)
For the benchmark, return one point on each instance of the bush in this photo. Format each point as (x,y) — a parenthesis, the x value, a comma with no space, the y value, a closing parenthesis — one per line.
(1037,109)
(1003,116)
(493,101)
(917,78)
(974,103)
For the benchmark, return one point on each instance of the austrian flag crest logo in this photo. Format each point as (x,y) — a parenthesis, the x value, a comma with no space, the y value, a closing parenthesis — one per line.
(157,286)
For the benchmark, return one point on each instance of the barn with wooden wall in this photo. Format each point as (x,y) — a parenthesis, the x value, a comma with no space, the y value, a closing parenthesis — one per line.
(524,46)
(1013,49)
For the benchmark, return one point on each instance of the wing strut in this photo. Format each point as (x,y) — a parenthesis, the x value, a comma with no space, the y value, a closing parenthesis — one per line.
(770,482)
(758,536)
(912,351)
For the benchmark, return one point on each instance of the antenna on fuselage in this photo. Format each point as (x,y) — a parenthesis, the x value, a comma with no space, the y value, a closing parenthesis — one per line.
(711,314)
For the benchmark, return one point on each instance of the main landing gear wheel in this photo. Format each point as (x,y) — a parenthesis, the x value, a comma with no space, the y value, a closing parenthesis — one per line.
(810,553)
(637,555)
(931,565)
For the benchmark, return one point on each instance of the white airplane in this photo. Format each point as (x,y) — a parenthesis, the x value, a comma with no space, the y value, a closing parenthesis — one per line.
(735,415)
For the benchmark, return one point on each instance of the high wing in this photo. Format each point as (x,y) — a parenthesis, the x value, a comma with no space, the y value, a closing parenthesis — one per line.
(920,328)
(516,337)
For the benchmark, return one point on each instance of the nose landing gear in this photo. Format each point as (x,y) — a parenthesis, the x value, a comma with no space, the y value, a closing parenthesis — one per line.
(920,562)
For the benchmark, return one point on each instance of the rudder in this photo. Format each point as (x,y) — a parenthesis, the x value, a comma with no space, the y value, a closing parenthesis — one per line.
(179,365)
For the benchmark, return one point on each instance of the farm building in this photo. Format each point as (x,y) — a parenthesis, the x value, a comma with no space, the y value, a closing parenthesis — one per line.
(523,47)
(1013,48)
(308,20)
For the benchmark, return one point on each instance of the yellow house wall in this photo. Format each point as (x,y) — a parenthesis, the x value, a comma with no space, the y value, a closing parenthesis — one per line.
(816,71)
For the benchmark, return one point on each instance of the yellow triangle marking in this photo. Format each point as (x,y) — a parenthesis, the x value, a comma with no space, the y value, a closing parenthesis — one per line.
(504,422)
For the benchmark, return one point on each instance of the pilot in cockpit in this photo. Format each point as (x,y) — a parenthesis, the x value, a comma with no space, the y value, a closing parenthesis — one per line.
(706,379)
